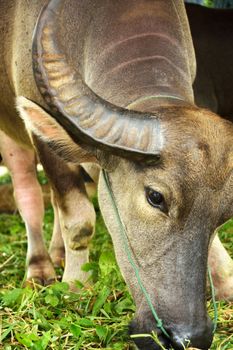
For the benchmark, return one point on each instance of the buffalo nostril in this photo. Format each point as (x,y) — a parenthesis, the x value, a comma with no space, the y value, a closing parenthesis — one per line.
(179,343)
(181,336)
(197,337)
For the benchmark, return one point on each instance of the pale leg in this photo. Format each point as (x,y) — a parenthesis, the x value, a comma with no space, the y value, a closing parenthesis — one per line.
(27,191)
(221,266)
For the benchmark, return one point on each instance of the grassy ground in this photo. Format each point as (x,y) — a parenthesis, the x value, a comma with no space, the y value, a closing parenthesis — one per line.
(54,318)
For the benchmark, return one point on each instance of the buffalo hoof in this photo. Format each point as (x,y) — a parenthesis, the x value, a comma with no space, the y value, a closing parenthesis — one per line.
(33,282)
(40,271)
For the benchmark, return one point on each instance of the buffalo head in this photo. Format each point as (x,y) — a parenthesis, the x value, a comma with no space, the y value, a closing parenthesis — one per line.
(170,170)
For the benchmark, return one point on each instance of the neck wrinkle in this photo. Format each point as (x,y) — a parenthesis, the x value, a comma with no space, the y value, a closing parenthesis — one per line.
(151,103)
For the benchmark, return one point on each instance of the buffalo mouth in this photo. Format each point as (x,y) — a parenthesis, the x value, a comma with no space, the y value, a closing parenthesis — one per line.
(178,338)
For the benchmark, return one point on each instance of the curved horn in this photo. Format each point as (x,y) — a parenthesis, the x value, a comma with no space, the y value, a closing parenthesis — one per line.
(76,107)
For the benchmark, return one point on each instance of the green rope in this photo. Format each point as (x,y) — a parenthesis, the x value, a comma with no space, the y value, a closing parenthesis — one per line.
(215,321)
(159,322)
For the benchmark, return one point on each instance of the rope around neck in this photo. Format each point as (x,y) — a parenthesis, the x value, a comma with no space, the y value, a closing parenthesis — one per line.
(124,237)
(159,322)
(215,320)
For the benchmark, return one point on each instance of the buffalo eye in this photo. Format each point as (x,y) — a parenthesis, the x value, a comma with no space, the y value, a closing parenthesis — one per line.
(156,199)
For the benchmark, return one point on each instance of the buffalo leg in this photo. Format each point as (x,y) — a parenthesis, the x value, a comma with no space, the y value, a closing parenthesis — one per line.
(76,212)
(56,248)
(222,270)
(28,195)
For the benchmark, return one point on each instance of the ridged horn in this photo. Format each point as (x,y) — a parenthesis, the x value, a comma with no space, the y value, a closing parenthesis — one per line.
(85,115)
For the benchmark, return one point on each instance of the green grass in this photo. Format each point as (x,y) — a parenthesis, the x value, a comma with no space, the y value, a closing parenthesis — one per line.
(54,318)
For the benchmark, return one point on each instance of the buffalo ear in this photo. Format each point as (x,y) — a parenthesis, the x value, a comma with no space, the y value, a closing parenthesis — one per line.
(41,124)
